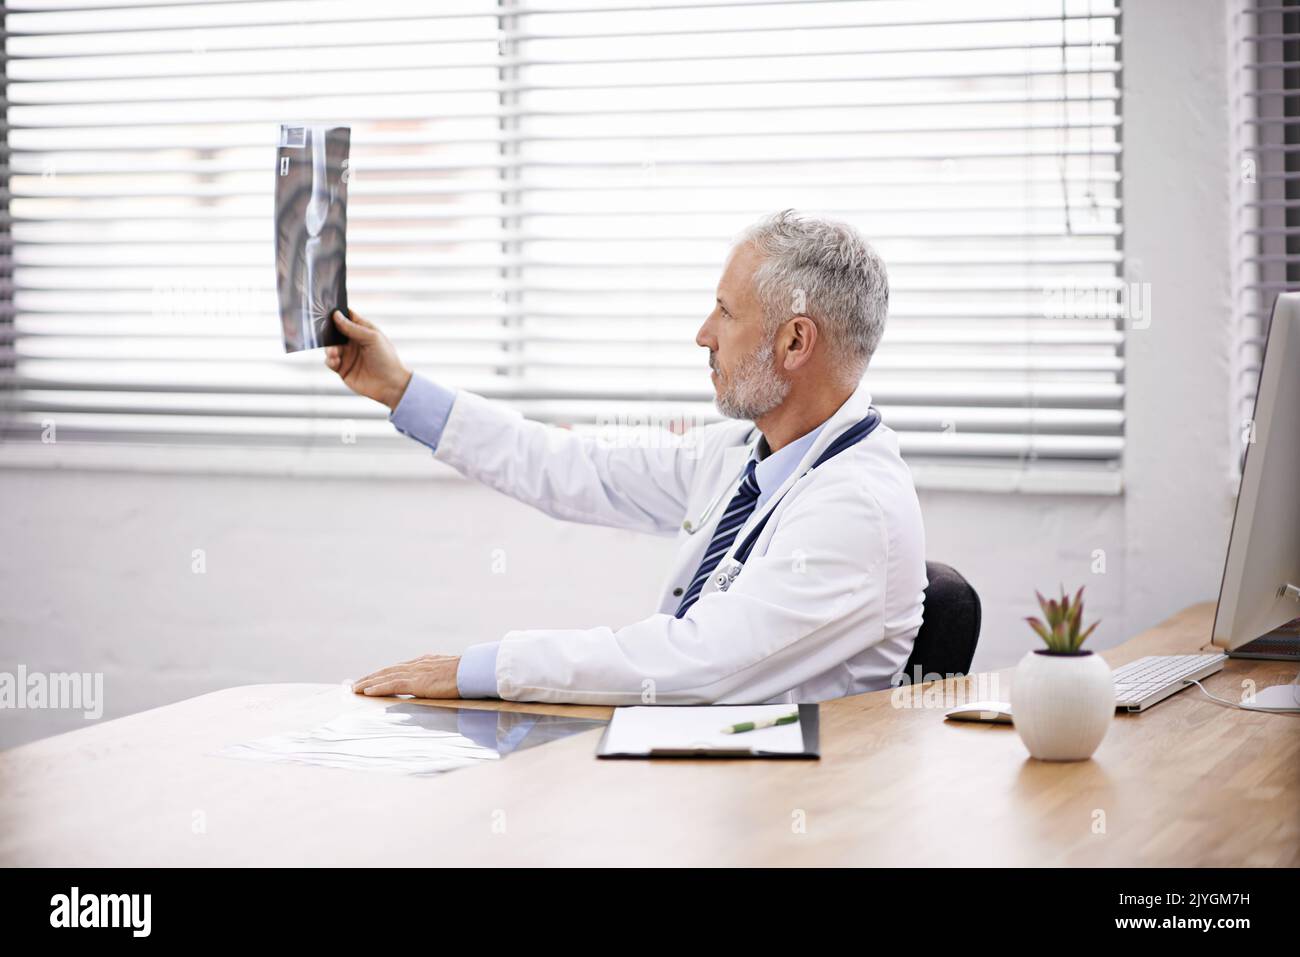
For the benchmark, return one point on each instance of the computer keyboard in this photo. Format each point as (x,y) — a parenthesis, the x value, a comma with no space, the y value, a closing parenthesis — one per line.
(1140,684)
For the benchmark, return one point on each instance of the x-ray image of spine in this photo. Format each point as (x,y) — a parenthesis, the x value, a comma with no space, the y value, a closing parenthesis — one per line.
(311,218)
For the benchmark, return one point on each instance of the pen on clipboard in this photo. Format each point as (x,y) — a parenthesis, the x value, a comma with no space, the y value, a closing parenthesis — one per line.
(765,723)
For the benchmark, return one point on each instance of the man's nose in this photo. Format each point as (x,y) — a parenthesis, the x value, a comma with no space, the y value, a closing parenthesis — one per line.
(703,339)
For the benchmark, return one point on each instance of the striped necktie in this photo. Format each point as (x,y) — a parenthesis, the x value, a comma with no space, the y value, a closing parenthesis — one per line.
(737,513)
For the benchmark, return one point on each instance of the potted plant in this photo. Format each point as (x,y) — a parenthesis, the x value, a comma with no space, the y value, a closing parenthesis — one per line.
(1062,697)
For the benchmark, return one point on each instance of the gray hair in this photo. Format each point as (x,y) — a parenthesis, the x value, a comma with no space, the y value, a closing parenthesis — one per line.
(823,269)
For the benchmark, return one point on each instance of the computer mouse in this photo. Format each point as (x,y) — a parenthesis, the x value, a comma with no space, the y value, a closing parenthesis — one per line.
(993,711)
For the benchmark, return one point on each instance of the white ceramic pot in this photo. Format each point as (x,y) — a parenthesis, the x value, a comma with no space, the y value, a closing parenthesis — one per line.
(1062,704)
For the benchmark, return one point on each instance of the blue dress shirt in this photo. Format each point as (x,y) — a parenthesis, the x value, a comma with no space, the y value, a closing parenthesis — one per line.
(422,414)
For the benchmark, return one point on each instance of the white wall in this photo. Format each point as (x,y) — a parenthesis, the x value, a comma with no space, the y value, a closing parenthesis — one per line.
(320,580)
(305,580)
(1177,169)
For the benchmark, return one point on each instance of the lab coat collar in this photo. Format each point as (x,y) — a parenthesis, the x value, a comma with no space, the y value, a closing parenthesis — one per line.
(775,467)
(854,409)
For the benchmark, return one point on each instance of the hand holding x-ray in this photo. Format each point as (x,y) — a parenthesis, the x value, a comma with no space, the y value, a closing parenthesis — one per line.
(311,216)
(367,362)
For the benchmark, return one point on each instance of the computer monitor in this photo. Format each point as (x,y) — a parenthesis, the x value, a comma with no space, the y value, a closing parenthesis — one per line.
(1261,575)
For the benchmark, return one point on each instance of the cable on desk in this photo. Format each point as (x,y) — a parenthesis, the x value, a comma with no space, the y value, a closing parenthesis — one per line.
(1231,704)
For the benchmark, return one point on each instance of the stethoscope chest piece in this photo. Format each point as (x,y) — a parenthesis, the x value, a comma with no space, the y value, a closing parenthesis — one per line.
(727,573)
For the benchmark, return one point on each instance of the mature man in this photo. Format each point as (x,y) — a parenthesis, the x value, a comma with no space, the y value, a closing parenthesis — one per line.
(801,558)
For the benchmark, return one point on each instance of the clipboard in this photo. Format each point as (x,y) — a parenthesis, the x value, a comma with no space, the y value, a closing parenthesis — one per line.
(665,731)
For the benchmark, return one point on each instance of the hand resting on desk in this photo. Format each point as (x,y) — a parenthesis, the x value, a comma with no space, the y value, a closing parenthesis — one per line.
(429,676)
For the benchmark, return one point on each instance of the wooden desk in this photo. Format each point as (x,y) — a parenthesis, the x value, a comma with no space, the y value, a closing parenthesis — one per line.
(1187,783)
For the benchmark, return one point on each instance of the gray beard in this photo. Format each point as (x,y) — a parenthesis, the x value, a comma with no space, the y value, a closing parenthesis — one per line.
(754,389)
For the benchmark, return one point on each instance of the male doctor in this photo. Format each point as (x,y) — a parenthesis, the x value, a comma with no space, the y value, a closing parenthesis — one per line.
(800,561)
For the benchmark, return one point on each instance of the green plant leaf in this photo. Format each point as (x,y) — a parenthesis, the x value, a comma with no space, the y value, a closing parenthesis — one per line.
(1087,633)
(1038,626)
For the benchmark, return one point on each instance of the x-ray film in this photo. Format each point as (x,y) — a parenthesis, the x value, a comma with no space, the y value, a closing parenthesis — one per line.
(311,222)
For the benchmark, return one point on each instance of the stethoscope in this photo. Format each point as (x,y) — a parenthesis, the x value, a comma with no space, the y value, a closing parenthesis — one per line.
(689,527)
(731,566)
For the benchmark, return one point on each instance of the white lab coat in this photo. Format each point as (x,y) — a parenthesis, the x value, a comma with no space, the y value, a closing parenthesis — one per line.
(828,603)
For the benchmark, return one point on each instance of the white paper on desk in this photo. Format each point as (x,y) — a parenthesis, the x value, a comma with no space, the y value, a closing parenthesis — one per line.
(639,730)
(411,738)
(369,741)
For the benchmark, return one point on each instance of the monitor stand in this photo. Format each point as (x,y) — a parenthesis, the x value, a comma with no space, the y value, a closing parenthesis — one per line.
(1279,697)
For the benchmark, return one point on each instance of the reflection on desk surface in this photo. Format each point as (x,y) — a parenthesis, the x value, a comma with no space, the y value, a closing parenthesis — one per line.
(413,739)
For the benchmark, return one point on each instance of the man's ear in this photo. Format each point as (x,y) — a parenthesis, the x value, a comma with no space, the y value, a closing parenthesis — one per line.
(800,337)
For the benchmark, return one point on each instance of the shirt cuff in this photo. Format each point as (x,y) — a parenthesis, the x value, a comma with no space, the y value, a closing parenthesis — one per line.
(476,675)
(423,412)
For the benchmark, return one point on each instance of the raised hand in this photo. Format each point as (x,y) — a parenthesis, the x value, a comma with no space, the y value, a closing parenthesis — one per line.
(368,364)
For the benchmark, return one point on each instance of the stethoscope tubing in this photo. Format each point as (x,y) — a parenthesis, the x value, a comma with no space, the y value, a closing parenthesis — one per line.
(851,436)
(692,527)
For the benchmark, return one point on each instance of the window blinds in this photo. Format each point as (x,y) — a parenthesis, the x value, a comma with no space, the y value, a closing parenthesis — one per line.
(541,198)
(1267,201)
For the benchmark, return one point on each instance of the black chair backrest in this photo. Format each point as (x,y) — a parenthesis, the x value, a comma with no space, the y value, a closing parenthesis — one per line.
(945,645)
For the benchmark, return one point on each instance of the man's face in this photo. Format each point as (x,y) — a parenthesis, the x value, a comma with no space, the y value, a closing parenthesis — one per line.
(741,352)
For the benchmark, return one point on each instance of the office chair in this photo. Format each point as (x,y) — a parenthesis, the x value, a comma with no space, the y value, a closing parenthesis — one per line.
(945,645)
